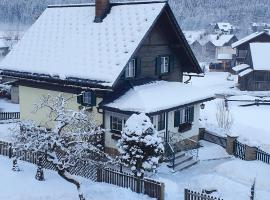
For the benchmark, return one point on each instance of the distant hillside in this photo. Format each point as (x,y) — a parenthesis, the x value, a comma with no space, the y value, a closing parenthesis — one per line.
(191,14)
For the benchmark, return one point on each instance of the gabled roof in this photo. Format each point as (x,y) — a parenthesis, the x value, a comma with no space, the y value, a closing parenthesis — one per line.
(248,38)
(220,40)
(174,94)
(260,56)
(66,42)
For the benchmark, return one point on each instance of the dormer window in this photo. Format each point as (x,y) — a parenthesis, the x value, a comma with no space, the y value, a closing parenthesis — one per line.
(165,63)
(131,69)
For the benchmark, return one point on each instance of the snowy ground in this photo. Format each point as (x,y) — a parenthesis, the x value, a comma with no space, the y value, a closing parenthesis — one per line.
(231,177)
(251,124)
(7,106)
(23,186)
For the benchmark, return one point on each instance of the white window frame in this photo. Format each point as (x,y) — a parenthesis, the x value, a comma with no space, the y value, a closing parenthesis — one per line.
(87,98)
(165,63)
(131,69)
(118,121)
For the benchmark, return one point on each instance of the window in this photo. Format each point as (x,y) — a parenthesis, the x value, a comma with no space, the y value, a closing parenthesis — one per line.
(87,98)
(161,122)
(131,69)
(165,62)
(117,124)
(182,116)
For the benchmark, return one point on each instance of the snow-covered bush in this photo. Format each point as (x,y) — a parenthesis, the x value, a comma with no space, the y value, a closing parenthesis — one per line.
(223,116)
(140,146)
(74,137)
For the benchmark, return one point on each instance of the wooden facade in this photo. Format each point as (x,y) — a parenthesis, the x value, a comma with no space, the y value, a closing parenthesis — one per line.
(242,49)
(255,81)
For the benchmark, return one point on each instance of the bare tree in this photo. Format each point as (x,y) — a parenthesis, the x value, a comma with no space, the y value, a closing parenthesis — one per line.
(223,116)
(73,137)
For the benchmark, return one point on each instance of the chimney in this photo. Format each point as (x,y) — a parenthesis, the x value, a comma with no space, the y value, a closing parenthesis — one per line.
(102,9)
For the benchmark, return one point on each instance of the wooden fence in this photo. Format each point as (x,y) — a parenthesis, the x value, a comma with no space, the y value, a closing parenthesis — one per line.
(146,186)
(90,171)
(9,115)
(262,156)
(192,195)
(214,138)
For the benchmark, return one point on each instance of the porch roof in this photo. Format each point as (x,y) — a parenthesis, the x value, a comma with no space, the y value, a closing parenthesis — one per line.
(159,96)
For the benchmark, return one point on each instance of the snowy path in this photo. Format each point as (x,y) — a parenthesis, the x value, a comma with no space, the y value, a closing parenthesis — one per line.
(231,177)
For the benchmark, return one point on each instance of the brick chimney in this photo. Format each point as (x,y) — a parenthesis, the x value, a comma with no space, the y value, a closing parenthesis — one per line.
(102,9)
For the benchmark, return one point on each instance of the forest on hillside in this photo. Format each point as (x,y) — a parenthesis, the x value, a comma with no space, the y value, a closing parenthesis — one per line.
(191,14)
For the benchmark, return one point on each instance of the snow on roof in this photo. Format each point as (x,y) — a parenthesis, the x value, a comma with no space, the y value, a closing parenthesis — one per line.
(260,56)
(224,26)
(66,42)
(158,96)
(220,40)
(247,38)
(192,36)
(224,56)
(241,67)
(245,72)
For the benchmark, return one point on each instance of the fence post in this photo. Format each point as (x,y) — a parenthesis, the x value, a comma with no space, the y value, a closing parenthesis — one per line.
(10,151)
(162,191)
(250,153)
(201,133)
(230,144)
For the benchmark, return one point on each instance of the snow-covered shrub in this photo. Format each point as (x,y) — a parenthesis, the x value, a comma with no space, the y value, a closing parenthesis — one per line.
(224,116)
(140,146)
(74,137)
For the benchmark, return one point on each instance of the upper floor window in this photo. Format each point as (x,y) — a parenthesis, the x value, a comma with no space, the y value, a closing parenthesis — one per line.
(131,69)
(87,98)
(165,62)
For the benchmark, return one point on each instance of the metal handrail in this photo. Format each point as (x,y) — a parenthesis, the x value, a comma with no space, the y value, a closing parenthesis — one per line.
(170,153)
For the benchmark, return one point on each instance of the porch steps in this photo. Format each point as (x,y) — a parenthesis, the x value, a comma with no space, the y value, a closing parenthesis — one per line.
(183,161)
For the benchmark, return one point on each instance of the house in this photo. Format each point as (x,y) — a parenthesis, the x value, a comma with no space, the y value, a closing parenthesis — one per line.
(242,46)
(223,28)
(258,27)
(254,75)
(115,59)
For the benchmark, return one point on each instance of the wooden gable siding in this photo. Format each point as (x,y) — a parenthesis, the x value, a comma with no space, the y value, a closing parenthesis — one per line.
(262,38)
(157,44)
(255,81)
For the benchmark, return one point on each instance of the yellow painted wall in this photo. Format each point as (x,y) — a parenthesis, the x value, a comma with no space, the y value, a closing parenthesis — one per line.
(30,96)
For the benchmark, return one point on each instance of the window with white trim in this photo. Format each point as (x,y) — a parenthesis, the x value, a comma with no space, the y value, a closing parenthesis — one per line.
(184,115)
(161,121)
(87,98)
(131,69)
(165,62)
(117,123)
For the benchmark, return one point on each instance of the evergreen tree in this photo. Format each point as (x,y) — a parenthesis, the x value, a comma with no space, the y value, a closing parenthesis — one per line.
(140,146)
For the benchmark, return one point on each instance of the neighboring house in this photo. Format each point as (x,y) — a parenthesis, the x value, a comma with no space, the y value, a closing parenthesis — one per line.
(115,59)
(258,27)
(242,46)
(223,28)
(255,76)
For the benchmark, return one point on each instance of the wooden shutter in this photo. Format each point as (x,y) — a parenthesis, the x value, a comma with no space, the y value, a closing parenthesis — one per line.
(80,99)
(110,122)
(171,63)
(138,67)
(176,118)
(158,65)
(93,99)
(191,116)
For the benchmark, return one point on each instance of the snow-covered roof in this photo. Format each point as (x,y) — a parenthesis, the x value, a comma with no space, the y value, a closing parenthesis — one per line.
(66,42)
(225,26)
(158,96)
(192,36)
(220,40)
(224,56)
(260,56)
(245,72)
(247,38)
(241,67)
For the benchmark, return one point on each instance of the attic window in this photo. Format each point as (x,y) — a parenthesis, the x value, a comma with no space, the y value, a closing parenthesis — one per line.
(165,61)
(131,69)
